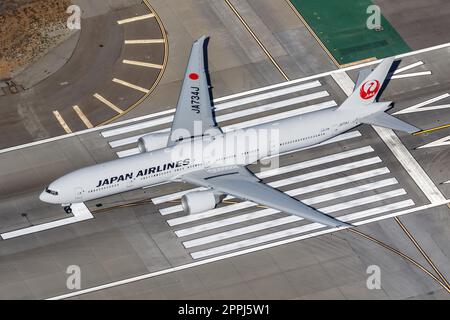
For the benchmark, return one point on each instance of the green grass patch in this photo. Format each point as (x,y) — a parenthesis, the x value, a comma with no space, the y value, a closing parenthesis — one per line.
(341,25)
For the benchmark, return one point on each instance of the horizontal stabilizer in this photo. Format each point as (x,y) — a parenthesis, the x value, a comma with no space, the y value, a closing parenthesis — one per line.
(385,120)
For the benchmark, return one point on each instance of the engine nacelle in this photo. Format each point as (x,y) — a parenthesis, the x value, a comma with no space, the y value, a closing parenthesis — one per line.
(152,142)
(199,201)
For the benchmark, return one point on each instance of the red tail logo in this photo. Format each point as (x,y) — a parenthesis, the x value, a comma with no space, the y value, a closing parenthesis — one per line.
(369,89)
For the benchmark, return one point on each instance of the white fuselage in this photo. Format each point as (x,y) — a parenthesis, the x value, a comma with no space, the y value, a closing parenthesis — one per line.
(169,163)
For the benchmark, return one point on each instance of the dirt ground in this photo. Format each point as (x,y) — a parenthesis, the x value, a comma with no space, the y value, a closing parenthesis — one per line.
(29,29)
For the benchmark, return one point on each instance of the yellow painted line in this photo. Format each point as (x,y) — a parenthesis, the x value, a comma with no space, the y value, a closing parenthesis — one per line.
(138,18)
(130,85)
(108,103)
(432,129)
(143,64)
(257,40)
(145,41)
(83,117)
(61,121)
(311,31)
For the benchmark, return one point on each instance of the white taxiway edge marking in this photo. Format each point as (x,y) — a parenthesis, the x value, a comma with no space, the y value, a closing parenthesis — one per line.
(80,213)
(399,150)
(143,64)
(420,106)
(437,143)
(218,107)
(239,253)
(130,85)
(260,214)
(408,67)
(233,96)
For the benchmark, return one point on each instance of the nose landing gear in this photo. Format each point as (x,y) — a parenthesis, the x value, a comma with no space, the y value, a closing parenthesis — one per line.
(68,209)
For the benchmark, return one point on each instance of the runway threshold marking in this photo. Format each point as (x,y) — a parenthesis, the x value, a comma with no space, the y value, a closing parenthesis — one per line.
(108,103)
(143,64)
(261,45)
(130,85)
(238,253)
(144,41)
(83,117)
(62,122)
(138,18)
(399,150)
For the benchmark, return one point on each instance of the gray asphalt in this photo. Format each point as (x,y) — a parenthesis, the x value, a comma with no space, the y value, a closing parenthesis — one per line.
(127,242)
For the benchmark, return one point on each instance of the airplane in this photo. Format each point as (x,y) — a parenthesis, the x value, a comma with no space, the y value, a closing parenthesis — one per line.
(193,150)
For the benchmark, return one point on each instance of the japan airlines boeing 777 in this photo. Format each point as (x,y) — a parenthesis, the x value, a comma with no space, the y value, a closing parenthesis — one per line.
(184,153)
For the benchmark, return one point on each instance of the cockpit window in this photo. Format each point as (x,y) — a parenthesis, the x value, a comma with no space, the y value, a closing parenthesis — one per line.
(52,192)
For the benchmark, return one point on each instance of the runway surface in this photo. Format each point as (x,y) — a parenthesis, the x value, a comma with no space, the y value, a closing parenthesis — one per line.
(139,244)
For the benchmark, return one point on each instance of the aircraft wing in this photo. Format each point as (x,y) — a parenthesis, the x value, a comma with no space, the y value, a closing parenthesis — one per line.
(194,113)
(241,183)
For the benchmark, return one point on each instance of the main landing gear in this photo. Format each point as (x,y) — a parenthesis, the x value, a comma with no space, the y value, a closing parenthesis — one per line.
(68,209)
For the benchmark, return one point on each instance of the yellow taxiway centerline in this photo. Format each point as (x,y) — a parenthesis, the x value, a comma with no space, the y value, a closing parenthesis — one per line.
(143,64)
(83,117)
(108,103)
(62,122)
(138,18)
(130,85)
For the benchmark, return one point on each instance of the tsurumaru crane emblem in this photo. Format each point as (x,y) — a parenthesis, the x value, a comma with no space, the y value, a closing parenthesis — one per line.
(369,89)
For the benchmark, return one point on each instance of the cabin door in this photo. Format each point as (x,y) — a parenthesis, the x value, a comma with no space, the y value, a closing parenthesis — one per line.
(79,193)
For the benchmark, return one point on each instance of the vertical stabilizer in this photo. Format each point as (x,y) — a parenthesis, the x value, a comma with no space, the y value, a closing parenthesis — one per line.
(367,91)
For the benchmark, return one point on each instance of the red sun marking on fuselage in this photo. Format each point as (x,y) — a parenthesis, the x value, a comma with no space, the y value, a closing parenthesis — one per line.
(193,76)
(369,89)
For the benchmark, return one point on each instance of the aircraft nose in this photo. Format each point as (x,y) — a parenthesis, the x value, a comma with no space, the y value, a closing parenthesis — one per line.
(43,197)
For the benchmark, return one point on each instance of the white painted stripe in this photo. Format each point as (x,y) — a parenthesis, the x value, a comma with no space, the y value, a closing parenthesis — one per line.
(408,67)
(290,168)
(219,107)
(270,87)
(194,264)
(276,184)
(285,169)
(420,106)
(264,213)
(445,141)
(295,231)
(138,18)
(268,95)
(282,221)
(145,41)
(130,85)
(245,124)
(80,213)
(229,116)
(447,182)
(400,152)
(143,64)
(108,103)
(410,75)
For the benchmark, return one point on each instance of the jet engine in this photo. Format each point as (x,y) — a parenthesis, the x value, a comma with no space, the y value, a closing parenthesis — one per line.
(200,201)
(152,142)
